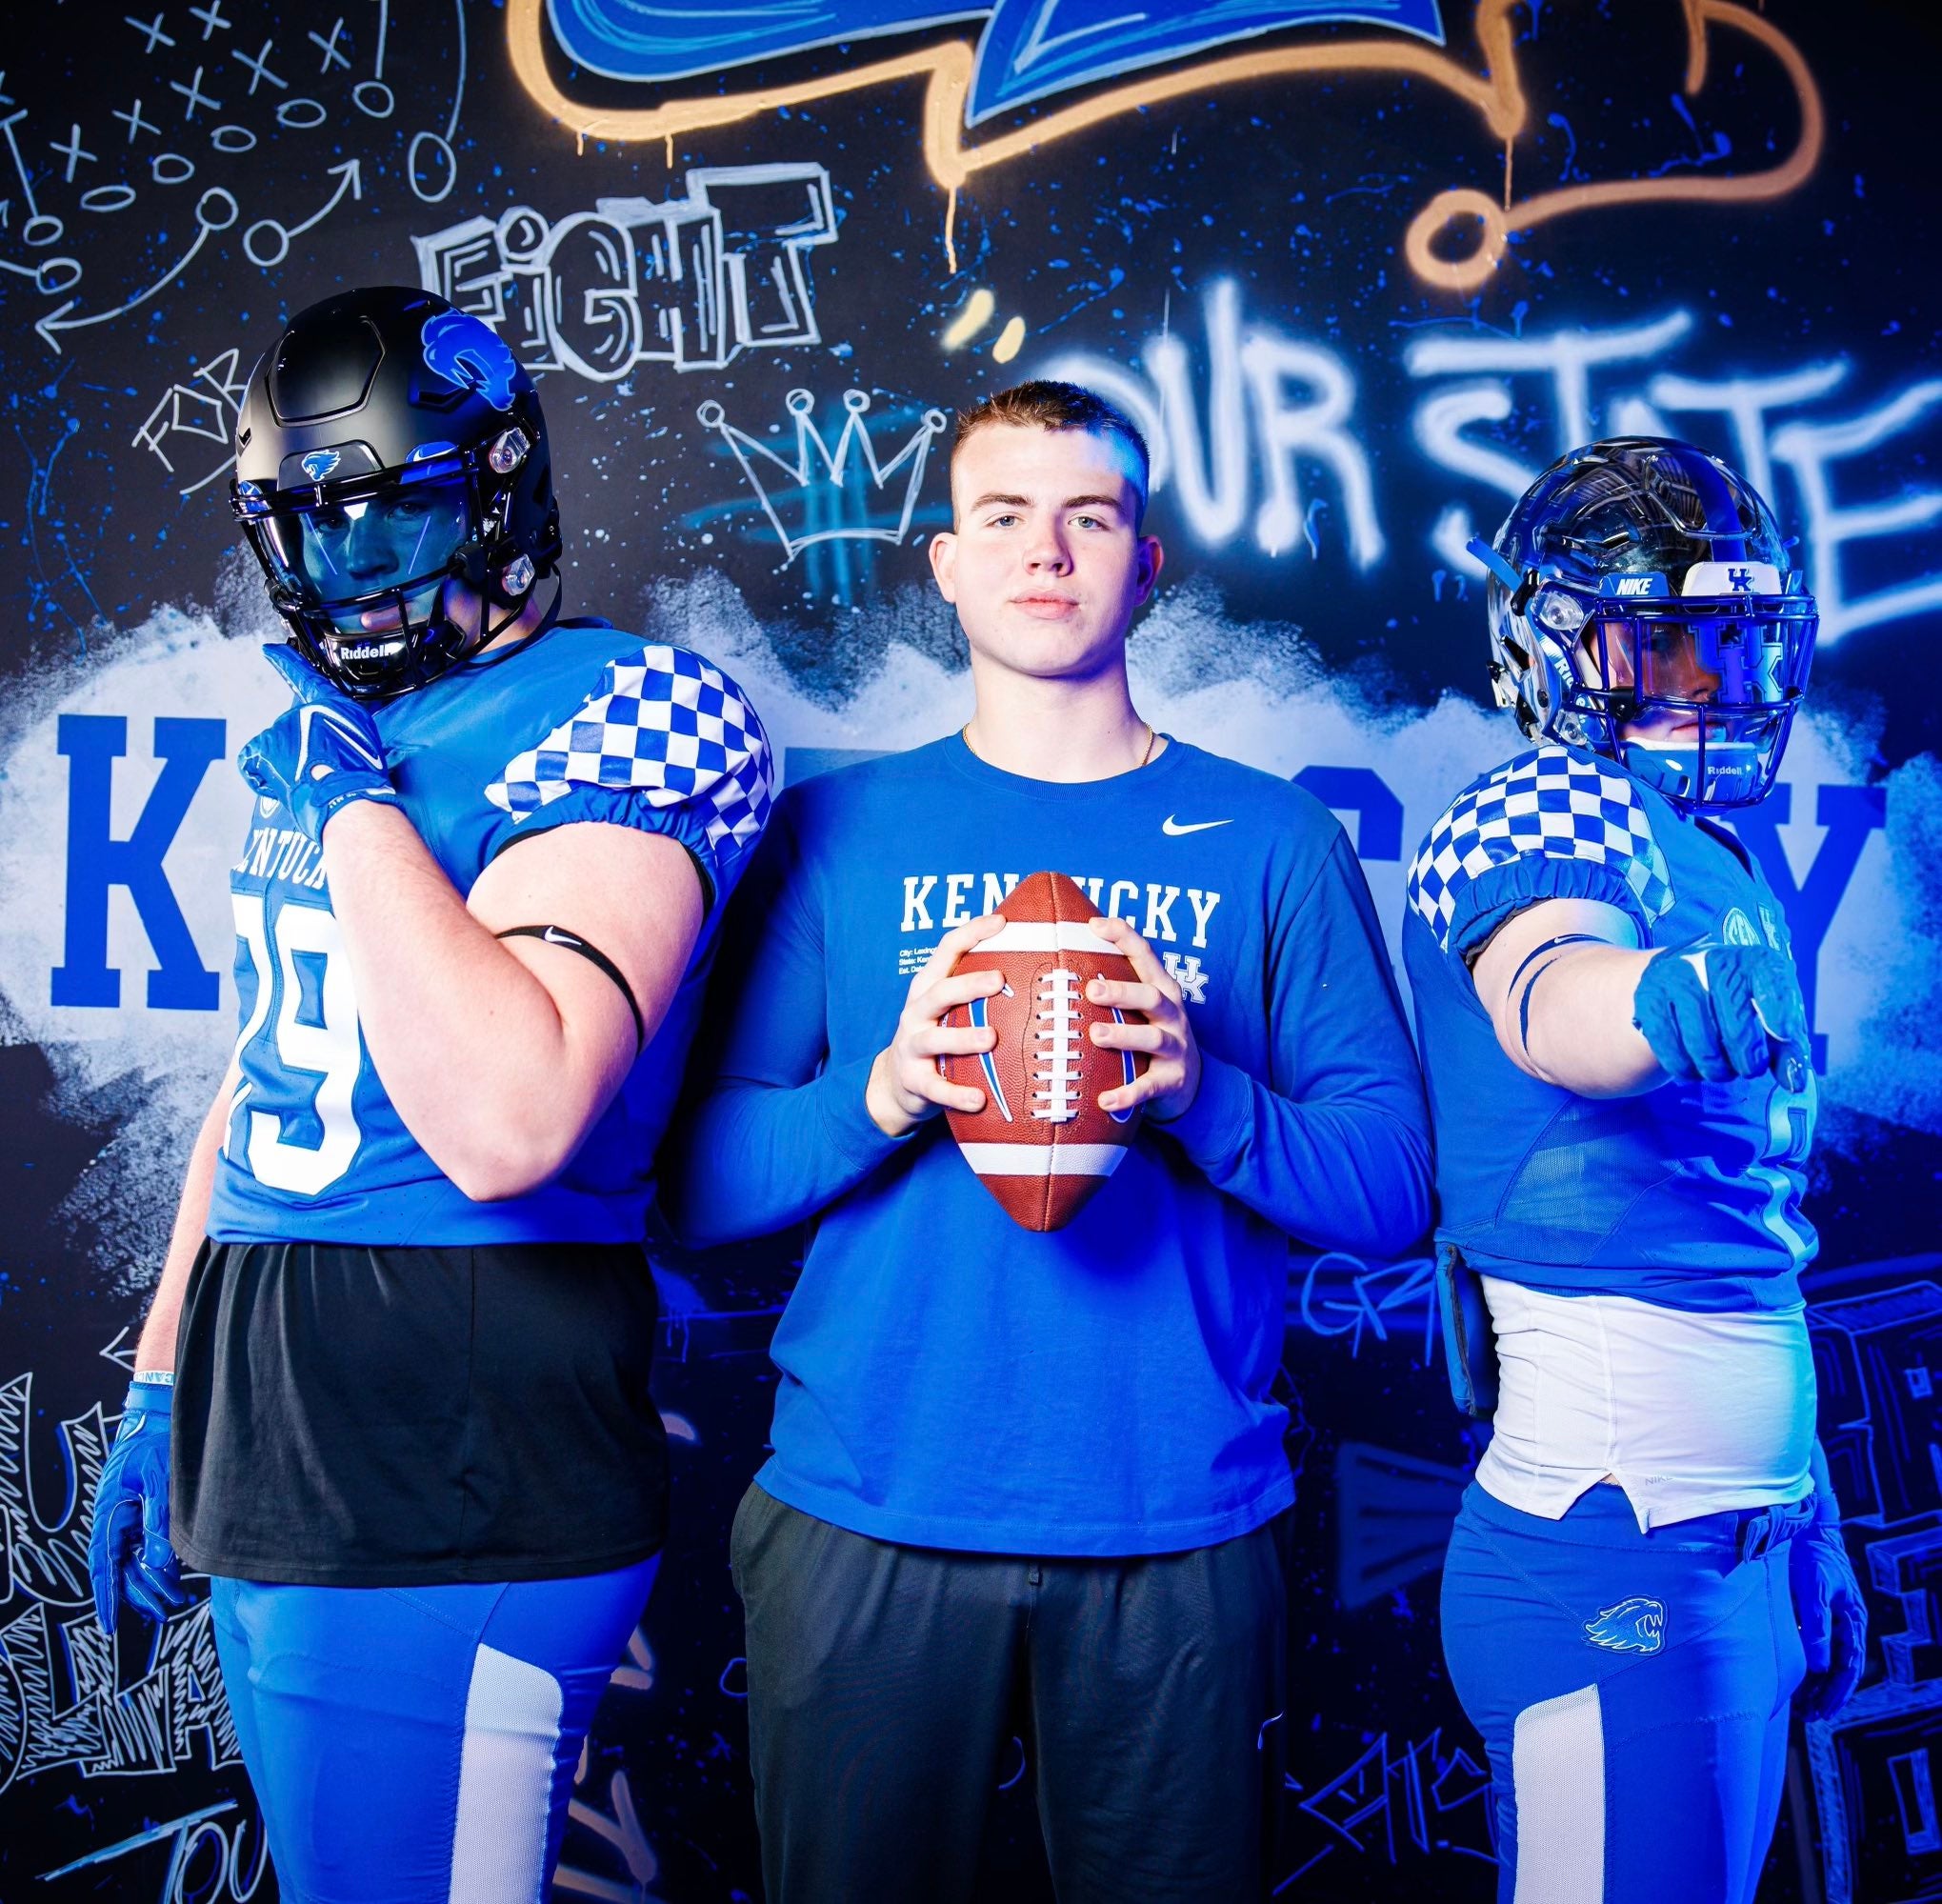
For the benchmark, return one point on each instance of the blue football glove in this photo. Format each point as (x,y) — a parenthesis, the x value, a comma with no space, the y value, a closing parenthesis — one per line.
(1833,1615)
(128,1554)
(1718,1012)
(321,755)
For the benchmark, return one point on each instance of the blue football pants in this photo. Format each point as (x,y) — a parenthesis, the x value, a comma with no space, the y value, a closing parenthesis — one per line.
(1632,1691)
(417,1745)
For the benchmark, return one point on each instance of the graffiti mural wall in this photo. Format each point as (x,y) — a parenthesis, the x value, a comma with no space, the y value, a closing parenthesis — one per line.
(1359,271)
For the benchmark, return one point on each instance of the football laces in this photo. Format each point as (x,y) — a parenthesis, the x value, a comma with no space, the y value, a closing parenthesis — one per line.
(1056,1068)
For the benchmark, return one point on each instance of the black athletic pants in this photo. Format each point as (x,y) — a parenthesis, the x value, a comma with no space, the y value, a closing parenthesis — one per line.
(887,1682)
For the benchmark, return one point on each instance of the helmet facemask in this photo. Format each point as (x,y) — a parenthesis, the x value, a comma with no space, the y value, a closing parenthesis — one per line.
(1694,694)
(368,573)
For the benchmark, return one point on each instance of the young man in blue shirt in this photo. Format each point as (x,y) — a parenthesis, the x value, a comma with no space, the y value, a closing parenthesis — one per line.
(398,1356)
(1651,1532)
(1029,1483)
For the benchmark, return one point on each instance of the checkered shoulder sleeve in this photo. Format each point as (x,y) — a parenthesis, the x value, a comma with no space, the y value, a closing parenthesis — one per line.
(666,727)
(1556,823)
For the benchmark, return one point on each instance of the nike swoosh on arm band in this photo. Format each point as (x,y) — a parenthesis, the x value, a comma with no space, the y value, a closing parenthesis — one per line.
(572,942)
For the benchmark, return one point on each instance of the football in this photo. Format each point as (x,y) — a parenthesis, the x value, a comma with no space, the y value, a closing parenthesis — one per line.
(1042,1145)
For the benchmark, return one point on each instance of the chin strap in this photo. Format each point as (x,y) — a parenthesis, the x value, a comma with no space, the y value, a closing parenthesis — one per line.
(547,619)
(491,630)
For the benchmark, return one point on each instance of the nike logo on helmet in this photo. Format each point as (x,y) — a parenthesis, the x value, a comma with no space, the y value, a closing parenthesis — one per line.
(1173,830)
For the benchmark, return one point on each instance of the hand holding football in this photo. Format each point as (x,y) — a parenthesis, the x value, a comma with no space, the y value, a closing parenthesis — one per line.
(907,1082)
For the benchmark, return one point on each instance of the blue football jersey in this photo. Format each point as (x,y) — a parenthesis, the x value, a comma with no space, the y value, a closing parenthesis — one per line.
(582,722)
(1686,1196)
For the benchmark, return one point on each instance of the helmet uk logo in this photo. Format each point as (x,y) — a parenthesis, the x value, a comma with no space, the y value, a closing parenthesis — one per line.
(1740,581)
(1638,1625)
(319,464)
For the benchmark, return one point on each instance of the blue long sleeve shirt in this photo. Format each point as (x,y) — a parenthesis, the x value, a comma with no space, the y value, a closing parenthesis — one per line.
(948,1377)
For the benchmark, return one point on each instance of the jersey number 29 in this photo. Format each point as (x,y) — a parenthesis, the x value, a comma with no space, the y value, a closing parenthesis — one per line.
(328,1047)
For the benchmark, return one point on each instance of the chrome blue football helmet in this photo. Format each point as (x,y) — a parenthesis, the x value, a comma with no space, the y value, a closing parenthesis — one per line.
(1642,604)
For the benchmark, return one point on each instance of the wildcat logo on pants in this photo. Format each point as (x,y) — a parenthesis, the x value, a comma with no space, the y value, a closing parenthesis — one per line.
(1638,1625)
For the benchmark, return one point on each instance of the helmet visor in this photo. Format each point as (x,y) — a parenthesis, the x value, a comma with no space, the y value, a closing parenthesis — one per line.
(1700,697)
(373,563)
(1728,662)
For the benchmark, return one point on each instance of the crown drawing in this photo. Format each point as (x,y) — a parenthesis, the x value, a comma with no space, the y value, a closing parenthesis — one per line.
(840,492)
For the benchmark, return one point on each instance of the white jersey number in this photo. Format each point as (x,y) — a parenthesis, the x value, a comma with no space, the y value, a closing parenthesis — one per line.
(328,1048)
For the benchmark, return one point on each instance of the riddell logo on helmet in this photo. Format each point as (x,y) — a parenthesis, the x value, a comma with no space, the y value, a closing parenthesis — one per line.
(369,651)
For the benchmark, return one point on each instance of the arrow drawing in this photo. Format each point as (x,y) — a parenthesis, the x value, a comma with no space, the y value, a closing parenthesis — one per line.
(207,221)
(349,179)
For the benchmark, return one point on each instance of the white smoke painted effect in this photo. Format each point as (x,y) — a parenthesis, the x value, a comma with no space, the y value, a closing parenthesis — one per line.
(1257,694)
(158,1068)
(1889,963)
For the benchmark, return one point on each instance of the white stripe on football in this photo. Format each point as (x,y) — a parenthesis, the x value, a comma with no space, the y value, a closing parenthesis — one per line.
(1043,1159)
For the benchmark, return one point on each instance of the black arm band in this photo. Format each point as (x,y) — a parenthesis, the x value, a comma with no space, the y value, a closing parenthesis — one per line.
(572,942)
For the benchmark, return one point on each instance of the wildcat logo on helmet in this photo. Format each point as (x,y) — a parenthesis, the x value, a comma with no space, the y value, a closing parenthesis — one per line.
(319,464)
(463,350)
(1638,1625)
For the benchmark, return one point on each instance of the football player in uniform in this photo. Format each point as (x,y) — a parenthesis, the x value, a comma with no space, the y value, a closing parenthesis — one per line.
(1652,1534)
(1028,1483)
(398,1356)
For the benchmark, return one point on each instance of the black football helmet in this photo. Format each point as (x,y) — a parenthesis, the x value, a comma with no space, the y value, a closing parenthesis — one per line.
(387,448)
(1642,604)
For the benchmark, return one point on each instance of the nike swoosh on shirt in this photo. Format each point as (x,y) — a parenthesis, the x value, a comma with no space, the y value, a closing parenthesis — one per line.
(1173,829)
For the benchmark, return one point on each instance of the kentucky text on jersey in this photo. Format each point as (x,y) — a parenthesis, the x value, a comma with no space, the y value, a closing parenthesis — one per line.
(1148,907)
(282,853)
